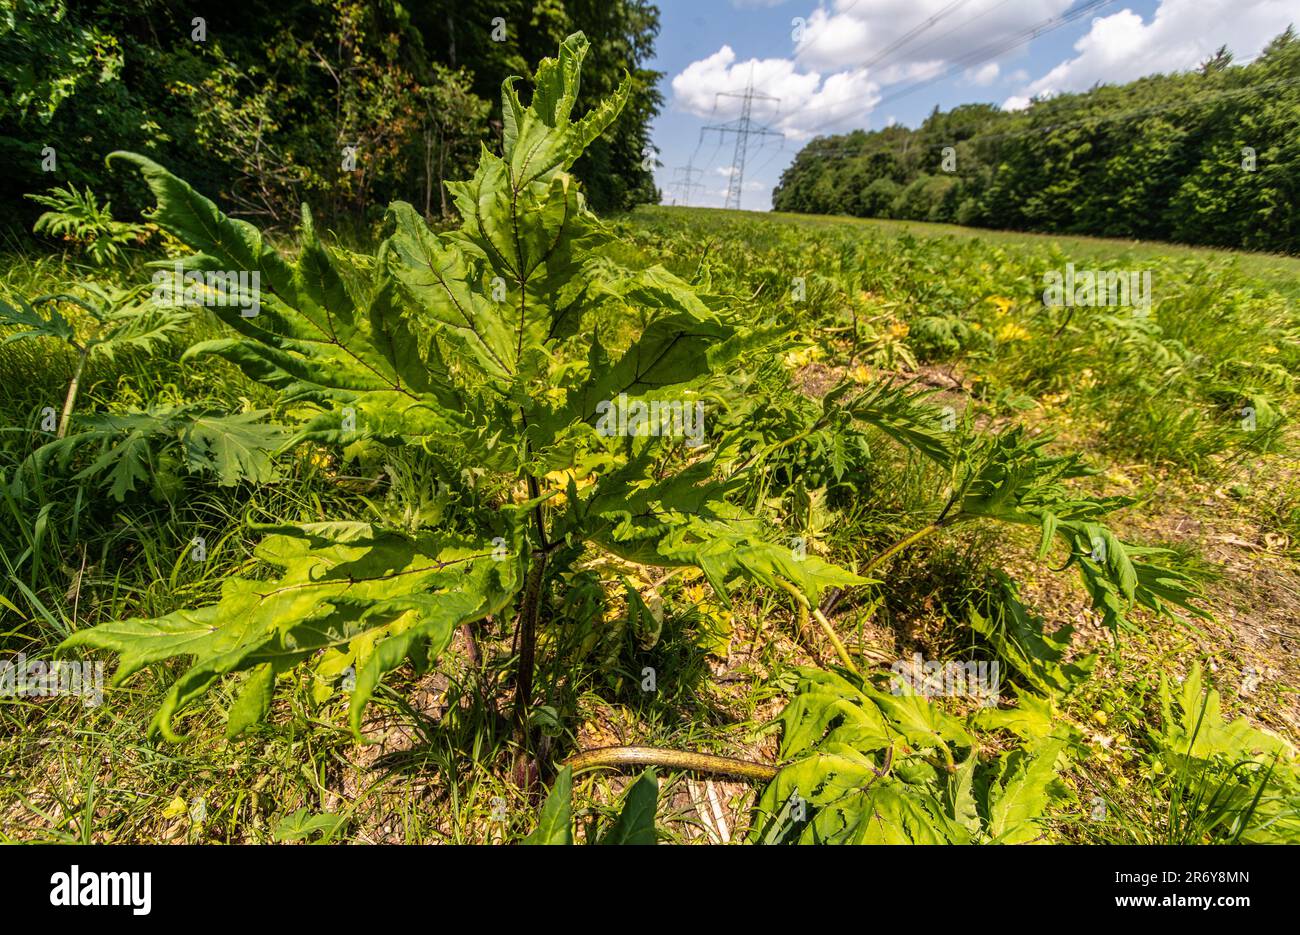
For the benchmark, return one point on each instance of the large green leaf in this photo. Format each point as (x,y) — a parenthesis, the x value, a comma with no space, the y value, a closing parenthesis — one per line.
(316,338)
(352,587)
(865,766)
(129,448)
(1018,798)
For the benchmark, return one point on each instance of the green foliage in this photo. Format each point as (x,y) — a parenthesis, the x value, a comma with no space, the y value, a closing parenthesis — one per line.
(1010,478)
(151,446)
(262,110)
(1171,388)
(1164,157)
(445,402)
(1020,640)
(113,320)
(78,218)
(1212,780)
(1232,780)
(487,340)
(864,766)
(635,823)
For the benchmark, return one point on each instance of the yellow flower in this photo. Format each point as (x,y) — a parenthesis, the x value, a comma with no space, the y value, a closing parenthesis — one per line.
(1012,332)
(175,808)
(860,374)
(804,356)
(561,480)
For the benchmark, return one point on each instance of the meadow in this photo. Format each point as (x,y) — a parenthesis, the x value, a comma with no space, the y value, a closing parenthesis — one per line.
(912,466)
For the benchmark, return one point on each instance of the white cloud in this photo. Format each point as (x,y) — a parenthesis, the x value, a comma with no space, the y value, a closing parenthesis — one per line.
(985,75)
(852,33)
(845,40)
(806,101)
(1122,47)
(836,75)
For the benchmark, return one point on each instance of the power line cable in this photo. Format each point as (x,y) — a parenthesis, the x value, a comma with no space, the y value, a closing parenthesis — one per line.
(979,56)
(913,33)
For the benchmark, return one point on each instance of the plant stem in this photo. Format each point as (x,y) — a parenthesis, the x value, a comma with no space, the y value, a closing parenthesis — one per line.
(840,649)
(619,757)
(527,632)
(471,645)
(900,545)
(71,398)
(804,606)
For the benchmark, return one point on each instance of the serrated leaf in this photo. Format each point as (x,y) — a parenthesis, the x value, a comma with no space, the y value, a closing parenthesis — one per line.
(302,824)
(1018,802)
(338,581)
(234,447)
(905,417)
(253,703)
(31,324)
(859,769)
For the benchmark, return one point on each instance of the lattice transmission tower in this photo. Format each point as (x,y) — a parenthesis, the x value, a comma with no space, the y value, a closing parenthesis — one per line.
(684,181)
(744,128)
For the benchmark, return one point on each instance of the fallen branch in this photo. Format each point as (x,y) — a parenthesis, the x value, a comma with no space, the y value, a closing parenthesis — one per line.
(622,757)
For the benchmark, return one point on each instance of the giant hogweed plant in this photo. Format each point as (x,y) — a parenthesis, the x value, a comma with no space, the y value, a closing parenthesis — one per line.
(500,340)
(504,342)
(115,320)
(146,446)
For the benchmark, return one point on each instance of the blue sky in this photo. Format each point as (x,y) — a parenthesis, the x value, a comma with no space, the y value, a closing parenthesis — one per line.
(844,64)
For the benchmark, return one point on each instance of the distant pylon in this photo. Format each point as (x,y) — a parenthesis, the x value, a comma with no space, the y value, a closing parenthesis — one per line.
(744,127)
(686,184)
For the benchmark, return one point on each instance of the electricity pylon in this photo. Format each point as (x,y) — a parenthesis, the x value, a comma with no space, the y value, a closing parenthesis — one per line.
(686,184)
(744,127)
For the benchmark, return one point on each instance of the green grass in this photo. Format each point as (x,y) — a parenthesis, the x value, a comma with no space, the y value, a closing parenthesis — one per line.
(1277,270)
(1155,405)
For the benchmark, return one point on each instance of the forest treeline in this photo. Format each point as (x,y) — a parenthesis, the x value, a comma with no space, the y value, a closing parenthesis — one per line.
(264,101)
(1210,156)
